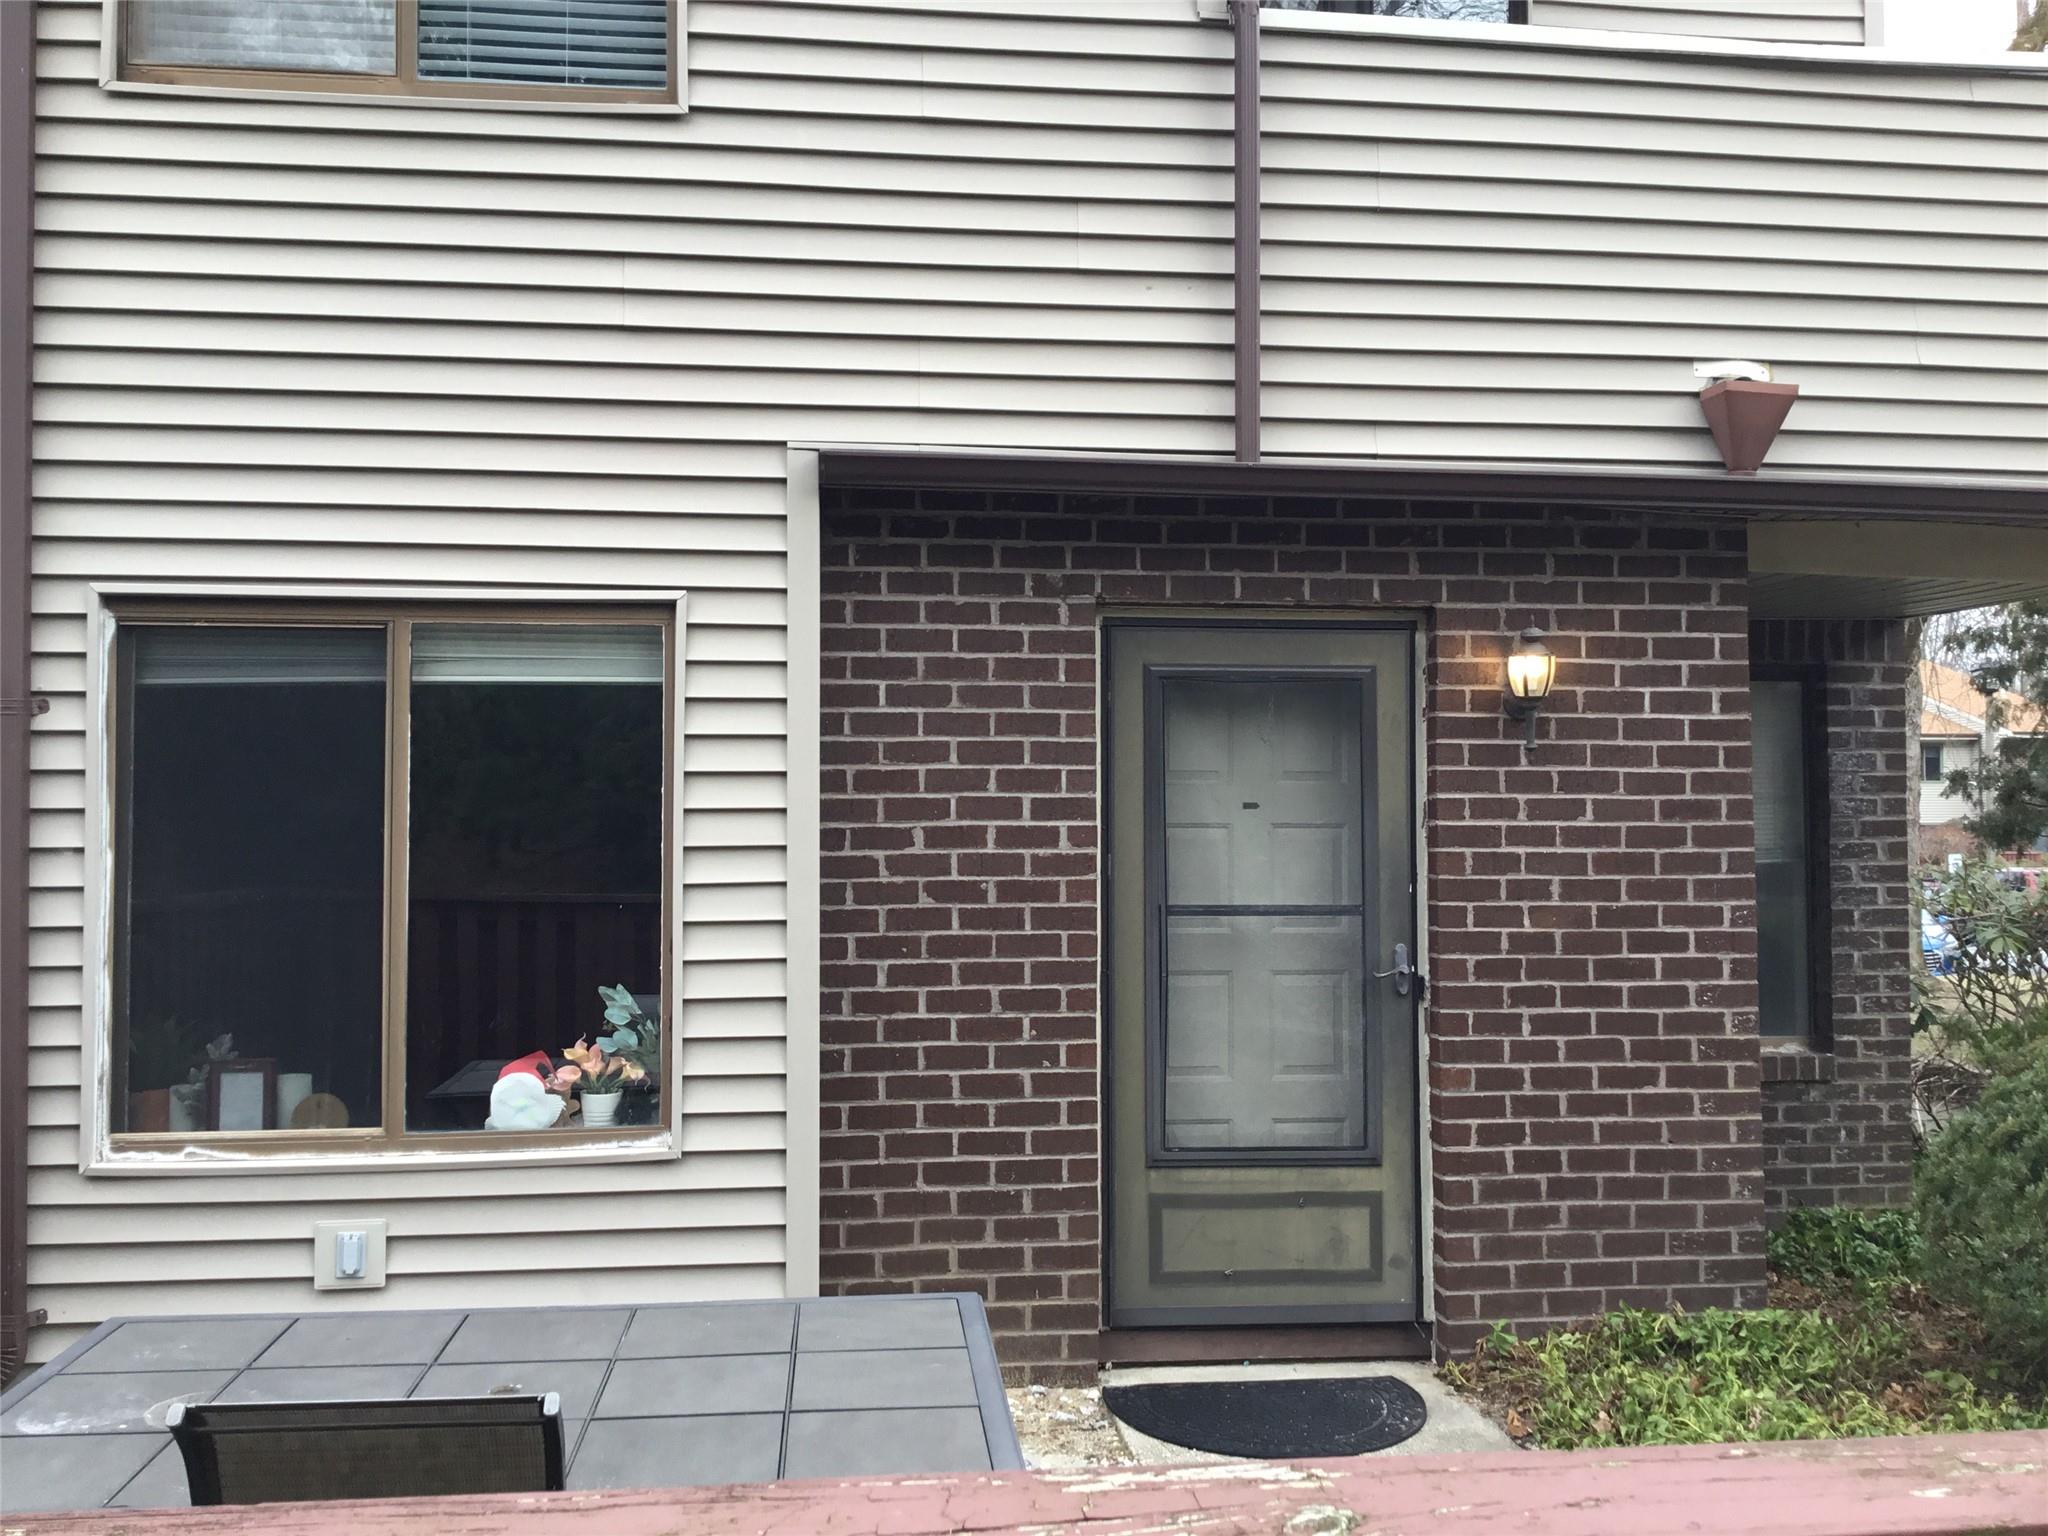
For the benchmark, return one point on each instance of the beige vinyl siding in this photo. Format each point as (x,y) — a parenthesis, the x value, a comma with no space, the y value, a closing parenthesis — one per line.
(1767,21)
(311,341)
(1937,805)
(1518,253)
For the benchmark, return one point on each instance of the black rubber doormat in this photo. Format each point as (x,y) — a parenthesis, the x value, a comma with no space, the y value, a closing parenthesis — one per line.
(1272,1420)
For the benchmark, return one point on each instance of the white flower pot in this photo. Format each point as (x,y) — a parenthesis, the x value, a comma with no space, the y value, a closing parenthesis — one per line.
(601,1108)
(293,1089)
(188,1107)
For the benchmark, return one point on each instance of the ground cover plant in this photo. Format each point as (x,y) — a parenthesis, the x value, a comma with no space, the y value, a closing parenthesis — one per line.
(1852,1344)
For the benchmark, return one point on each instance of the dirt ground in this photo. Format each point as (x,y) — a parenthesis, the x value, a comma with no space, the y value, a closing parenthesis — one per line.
(1063,1428)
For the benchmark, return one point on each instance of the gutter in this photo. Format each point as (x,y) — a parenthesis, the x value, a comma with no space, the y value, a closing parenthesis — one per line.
(1244,143)
(17,293)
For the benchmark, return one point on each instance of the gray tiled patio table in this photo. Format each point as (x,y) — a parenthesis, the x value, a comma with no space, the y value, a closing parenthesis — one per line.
(663,1396)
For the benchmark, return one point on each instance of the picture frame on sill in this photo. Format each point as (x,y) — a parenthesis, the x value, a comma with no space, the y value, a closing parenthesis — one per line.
(241,1094)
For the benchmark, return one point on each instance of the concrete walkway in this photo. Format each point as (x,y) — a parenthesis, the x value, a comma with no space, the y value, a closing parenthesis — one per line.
(1454,1425)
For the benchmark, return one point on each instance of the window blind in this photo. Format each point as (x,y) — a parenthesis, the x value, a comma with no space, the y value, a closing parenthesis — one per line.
(536,653)
(193,654)
(353,37)
(1778,771)
(614,43)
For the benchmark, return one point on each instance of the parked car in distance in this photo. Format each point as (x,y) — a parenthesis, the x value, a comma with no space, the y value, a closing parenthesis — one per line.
(2016,878)
(1938,947)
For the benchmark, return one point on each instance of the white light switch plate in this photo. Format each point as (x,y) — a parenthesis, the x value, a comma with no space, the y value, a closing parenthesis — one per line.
(326,1235)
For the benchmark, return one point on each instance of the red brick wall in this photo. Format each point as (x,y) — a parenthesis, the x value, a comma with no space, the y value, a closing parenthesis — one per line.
(1594,1086)
(1836,1126)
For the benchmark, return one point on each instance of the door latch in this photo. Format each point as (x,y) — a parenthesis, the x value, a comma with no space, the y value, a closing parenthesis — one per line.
(1403,973)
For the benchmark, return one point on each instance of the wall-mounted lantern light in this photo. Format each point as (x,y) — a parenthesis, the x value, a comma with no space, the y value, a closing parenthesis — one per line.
(1531,671)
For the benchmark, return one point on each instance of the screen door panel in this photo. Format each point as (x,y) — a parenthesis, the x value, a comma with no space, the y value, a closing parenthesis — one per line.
(1261,1089)
(1262,1042)
(1261,807)
(1263,801)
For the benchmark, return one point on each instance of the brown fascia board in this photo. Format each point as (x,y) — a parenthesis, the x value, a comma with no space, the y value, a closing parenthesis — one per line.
(1744,415)
(1691,492)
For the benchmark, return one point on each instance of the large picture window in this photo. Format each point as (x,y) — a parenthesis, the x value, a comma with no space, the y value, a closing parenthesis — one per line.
(589,51)
(364,864)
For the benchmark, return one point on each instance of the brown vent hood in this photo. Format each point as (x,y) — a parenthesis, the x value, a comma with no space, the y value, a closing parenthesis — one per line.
(1744,416)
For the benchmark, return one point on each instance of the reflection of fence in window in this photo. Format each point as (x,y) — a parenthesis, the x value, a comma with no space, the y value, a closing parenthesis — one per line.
(1425,10)
(286,972)
(494,979)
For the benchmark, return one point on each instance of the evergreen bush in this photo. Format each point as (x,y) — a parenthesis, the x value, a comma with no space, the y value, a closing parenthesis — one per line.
(1982,1192)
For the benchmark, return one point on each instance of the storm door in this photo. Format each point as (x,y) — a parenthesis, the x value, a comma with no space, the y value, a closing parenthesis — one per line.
(1261,975)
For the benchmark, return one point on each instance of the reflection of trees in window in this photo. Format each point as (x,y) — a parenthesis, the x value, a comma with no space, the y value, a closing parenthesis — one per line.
(519,788)
(1428,10)
(251,902)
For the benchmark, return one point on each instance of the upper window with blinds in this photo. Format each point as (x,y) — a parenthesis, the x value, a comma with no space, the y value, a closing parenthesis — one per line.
(588,52)
(1425,10)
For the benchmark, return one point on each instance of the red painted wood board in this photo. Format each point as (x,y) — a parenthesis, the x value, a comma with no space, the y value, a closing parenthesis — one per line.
(1921,1486)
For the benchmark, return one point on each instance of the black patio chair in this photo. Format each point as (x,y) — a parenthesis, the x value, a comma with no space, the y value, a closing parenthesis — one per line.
(262,1453)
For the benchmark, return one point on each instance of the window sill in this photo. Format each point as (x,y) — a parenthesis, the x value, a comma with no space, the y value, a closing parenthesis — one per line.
(1794,1061)
(658,1145)
(390,99)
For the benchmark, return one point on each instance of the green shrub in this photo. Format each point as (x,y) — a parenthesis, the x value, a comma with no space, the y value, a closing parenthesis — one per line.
(1993,1008)
(1982,1192)
(1820,1244)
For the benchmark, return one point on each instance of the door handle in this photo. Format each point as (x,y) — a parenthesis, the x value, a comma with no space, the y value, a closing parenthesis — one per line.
(1403,973)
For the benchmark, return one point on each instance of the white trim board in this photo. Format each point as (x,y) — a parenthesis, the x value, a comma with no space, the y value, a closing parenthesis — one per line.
(801,1062)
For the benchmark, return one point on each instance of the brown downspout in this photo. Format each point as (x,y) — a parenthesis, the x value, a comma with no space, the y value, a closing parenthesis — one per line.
(1244,21)
(17,280)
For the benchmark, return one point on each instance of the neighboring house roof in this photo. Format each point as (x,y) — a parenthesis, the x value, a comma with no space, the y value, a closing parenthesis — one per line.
(1950,706)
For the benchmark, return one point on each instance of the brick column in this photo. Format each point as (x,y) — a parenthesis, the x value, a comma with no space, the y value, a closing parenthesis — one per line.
(1837,1120)
(959,922)
(1594,1090)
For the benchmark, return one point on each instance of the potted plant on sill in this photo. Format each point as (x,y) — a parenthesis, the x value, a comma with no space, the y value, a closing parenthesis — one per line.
(613,1078)
(599,1081)
(633,1036)
(167,1073)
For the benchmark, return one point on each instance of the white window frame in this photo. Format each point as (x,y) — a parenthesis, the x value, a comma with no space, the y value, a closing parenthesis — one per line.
(1875,53)
(98,1155)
